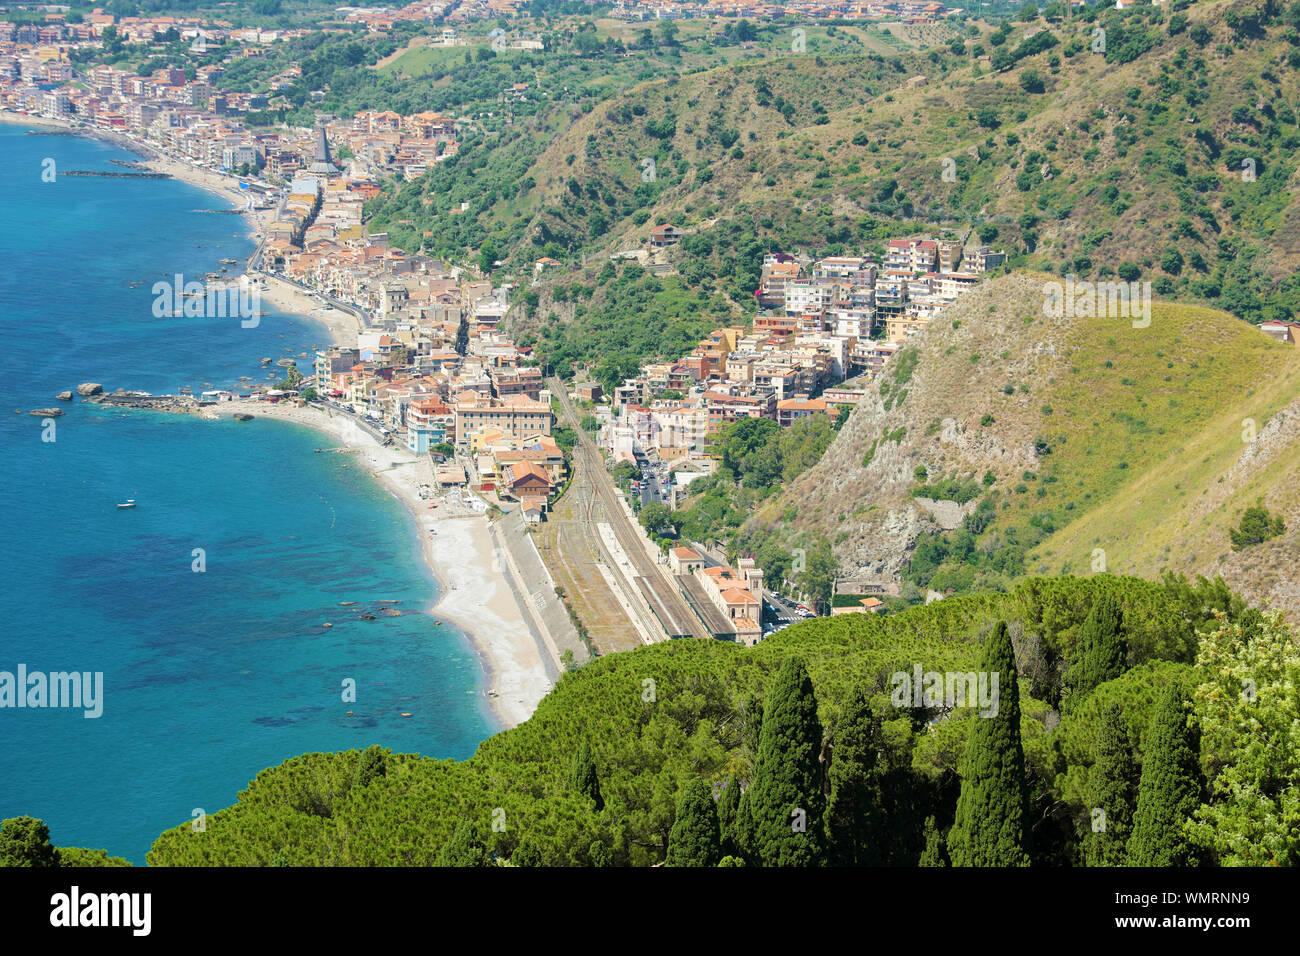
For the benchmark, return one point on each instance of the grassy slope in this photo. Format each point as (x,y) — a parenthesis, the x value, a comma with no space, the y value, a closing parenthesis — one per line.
(1175,513)
(1144,426)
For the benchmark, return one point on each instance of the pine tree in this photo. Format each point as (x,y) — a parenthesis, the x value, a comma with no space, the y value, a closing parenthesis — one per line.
(370,765)
(695,839)
(583,777)
(526,853)
(936,848)
(25,841)
(1100,653)
(1170,790)
(464,848)
(728,812)
(782,812)
(1111,794)
(991,826)
(851,809)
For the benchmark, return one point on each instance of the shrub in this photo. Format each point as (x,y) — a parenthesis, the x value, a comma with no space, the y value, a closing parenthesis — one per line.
(1256,526)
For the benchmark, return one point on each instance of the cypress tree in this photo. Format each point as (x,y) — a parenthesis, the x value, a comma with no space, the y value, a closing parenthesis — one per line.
(991,826)
(462,336)
(782,812)
(464,848)
(850,811)
(1170,790)
(695,839)
(728,811)
(936,848)
(583,777)
(1111,794)
(751,723)
(1100,654)
(743,828)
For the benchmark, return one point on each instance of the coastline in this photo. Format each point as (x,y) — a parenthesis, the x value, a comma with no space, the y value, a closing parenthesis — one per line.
(475,595)
(282,296)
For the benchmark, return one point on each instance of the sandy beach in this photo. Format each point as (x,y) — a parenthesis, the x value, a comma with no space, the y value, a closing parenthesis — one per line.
(475,596)
(283,296)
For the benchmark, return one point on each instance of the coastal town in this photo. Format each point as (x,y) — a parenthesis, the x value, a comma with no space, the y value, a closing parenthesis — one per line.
(430,366)
(424,359)
(435,368)
(57,28)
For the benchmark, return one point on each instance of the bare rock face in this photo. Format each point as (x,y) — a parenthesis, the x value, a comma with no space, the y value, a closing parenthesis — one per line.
(1278,432)
(86,389)
(946,514)
(46,412)
(64,396)
(930,412)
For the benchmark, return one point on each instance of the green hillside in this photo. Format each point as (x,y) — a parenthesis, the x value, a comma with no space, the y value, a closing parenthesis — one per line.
(656,716)
(1057,445)
(1169,154)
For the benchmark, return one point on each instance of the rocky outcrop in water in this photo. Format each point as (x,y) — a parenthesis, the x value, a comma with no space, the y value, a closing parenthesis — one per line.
(86,389)
(109,174)
(184,404)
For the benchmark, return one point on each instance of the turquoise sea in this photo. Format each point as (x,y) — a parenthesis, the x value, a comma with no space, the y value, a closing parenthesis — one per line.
(210,676)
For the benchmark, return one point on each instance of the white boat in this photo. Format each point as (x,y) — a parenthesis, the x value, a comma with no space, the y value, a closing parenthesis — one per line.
(129,503)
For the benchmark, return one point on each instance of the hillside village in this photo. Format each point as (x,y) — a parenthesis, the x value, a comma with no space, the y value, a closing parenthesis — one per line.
(435,363)
(821,323)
